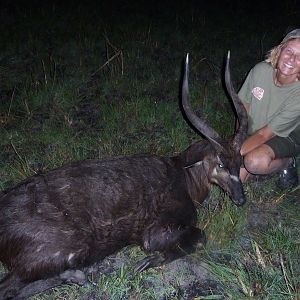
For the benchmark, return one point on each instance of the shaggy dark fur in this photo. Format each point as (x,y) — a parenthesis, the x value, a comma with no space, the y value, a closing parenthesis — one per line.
(54,226)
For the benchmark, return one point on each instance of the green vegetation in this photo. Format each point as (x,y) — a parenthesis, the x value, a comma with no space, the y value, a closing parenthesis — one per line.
(98,80)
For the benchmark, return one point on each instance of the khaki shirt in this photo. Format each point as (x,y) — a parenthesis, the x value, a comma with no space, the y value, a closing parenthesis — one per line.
(275,106)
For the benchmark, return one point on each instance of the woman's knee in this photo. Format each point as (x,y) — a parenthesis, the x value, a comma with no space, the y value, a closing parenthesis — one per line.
(258,160)
(256,164)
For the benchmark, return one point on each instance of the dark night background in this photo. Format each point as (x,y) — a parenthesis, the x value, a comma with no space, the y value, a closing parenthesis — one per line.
(207,28)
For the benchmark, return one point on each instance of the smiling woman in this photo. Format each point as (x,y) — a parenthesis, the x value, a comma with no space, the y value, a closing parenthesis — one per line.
(271,96)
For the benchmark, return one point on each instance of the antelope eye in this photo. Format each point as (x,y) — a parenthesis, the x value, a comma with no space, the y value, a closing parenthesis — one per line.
(221,166)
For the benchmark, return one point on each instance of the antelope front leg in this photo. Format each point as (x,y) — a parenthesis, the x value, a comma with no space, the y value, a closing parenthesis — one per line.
(169,241)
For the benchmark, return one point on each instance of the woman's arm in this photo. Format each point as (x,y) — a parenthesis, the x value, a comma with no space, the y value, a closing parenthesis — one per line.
(257,139)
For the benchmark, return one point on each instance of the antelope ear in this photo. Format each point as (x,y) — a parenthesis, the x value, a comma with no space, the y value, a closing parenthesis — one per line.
(197,163)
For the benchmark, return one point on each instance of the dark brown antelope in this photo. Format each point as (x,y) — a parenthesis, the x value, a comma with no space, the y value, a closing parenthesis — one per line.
(54,226)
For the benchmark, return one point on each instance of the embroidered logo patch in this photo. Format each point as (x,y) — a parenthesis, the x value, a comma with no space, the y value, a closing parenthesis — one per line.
(258,93)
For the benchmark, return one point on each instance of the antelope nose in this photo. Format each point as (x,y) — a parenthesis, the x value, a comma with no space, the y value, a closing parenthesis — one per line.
(240,201)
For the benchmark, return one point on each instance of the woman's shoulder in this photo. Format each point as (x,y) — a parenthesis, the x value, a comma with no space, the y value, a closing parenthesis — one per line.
(262,74)
(262,68)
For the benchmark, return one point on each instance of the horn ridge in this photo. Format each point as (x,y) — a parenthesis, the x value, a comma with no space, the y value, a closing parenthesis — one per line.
(197,122)
(241,133)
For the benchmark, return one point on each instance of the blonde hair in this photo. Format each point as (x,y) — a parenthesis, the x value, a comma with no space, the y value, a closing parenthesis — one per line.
(273,54)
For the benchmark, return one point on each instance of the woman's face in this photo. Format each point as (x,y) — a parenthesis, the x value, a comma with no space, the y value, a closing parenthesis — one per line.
(288,64)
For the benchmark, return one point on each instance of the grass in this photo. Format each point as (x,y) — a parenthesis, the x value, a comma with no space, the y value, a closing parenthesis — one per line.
(261,272)
(99,80)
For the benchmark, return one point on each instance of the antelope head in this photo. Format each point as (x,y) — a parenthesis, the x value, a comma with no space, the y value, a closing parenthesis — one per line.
(220,159)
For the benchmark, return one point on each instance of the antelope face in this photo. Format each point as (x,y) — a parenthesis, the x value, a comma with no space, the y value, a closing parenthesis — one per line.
(224,171)
(223,162)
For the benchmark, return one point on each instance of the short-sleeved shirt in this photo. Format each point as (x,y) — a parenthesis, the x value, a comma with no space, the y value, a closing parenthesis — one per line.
(272,105)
